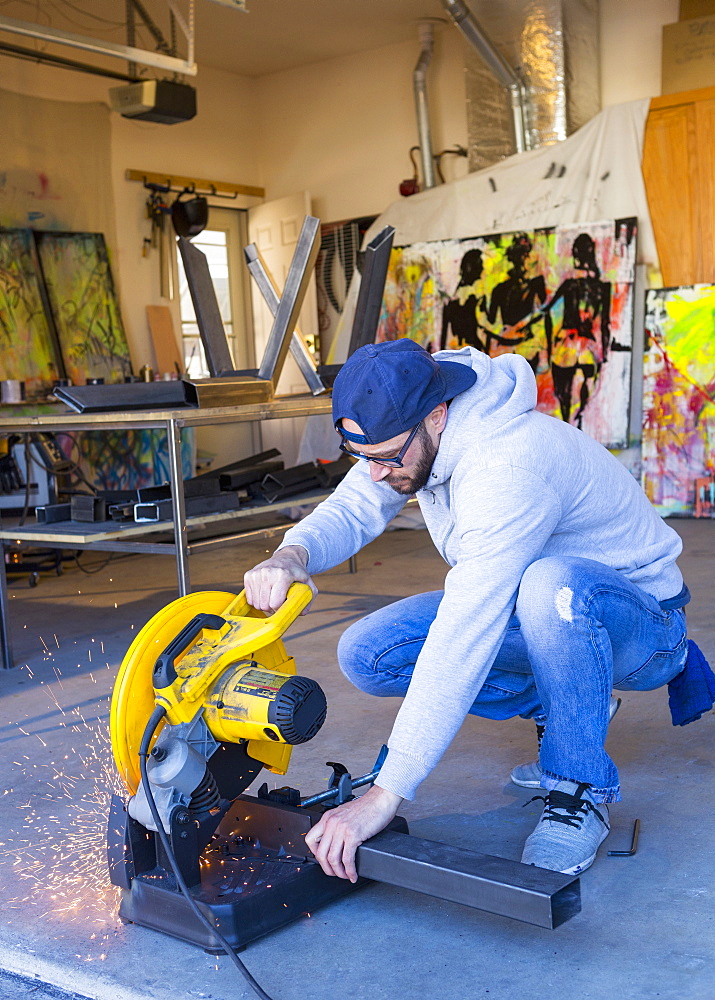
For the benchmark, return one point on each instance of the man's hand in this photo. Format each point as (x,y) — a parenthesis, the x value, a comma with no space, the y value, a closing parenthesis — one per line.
(267,583)
(336,837)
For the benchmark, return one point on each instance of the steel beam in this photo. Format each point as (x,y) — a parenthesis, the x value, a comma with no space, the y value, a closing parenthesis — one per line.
(266,286)
(523,892)
(295,288)
(372,287)
(208,314)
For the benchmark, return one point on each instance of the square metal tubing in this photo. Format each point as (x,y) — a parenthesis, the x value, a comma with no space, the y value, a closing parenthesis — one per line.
(523,892)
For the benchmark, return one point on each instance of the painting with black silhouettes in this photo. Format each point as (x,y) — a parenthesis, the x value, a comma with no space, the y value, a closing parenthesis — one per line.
(562,297)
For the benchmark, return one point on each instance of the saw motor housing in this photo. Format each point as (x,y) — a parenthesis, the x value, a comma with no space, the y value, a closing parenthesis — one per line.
(225,681)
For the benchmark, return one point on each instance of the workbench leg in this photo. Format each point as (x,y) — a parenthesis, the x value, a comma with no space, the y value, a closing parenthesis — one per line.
(7,658)
(181,545)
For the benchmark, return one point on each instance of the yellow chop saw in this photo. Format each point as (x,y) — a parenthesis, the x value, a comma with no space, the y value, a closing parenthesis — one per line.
(205,698)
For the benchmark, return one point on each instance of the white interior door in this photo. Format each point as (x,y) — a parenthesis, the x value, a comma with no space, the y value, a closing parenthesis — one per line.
(274,227)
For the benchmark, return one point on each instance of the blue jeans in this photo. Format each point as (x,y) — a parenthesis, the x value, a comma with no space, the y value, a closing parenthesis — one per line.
(578,630)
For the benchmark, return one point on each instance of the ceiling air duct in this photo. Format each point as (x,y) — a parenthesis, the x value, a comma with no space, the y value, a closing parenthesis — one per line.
(496,63)
(552,46)
(419,83)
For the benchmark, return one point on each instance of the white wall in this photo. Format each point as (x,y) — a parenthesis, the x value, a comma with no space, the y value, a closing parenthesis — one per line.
(342,128)
(219,144)
(631,32)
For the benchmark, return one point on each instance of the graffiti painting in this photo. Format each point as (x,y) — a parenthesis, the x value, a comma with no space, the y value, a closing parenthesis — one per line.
(562,297)
(127,459)
(84,305)
(27,347)
(678,395)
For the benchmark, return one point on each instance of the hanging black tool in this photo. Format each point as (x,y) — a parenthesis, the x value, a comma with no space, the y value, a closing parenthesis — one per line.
(190,217)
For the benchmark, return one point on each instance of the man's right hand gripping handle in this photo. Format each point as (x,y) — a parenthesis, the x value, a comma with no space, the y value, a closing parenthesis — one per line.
(267,583)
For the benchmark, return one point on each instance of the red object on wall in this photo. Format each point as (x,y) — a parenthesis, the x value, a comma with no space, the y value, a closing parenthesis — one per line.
(409,186)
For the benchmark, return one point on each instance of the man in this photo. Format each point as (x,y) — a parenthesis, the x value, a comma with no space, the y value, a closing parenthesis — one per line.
(562,584)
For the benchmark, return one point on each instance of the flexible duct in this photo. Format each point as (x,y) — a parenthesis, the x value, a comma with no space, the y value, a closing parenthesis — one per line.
(506,76)
(554,45)
(419,81)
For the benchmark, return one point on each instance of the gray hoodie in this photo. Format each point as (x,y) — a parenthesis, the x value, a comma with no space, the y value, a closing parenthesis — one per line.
(509,485)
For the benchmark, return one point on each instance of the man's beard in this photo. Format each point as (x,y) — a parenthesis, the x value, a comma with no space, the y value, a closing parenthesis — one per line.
(407,485)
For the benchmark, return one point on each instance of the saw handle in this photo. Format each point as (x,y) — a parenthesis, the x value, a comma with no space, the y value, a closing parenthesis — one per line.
(164,674)
(164,669)
(299,597)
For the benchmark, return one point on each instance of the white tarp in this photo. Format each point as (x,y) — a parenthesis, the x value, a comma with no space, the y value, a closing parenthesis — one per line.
(593,175)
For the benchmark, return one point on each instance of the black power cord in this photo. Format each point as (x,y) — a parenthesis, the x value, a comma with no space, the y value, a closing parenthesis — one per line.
(154,719)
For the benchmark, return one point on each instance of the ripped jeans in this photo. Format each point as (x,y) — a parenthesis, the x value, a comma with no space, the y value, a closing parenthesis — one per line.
(578,630)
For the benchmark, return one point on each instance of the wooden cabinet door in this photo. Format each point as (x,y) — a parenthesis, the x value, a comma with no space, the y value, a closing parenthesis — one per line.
(679,174)
(705,174)
(668,150)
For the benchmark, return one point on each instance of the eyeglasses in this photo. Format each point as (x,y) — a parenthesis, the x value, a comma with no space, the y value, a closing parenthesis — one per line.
(391,463)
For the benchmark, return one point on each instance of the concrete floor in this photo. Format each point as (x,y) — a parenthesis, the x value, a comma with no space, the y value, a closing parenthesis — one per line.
(646,928)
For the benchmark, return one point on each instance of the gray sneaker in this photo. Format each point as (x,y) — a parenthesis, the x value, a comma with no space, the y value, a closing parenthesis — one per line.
(569,832)
(529,775)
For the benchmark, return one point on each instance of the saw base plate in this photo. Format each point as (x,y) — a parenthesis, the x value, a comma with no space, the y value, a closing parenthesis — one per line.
(255,878)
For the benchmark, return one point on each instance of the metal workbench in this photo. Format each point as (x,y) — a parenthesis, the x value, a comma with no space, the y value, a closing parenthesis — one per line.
(141,538)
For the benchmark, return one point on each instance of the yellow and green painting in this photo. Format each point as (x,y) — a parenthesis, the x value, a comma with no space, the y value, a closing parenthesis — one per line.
(678,395)
(84,305)
(27,349)
(562,297)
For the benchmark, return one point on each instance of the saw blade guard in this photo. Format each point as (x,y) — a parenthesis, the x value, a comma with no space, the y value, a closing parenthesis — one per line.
(212,655)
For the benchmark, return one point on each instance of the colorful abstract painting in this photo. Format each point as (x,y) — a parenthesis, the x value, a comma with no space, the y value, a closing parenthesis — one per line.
(27,349)
(84,305)
(678,395)
(126,459)
(561,297)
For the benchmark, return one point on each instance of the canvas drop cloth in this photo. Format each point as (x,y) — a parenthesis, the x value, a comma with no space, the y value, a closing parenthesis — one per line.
(593,175)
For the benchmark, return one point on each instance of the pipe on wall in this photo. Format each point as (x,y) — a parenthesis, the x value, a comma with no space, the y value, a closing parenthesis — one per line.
(419,82)
(463,18)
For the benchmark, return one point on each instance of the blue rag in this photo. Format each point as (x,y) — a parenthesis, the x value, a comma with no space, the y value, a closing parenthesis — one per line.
(692,692)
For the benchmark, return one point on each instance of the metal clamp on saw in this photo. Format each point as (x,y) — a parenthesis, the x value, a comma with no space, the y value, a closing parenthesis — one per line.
(205,698)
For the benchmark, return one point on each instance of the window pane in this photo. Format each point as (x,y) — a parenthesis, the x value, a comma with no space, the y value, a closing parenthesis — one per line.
(217,257)
(194,355)
(215,237)
(194,358)
(212,243)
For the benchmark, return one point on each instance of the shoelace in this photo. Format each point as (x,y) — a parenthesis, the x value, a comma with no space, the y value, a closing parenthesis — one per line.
(571,806)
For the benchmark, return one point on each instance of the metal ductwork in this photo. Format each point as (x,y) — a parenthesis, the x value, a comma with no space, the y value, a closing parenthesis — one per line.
(419,83)
(553,47)
(497,64)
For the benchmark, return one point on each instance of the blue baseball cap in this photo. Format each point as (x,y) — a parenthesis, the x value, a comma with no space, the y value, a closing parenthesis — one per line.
(389,388)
